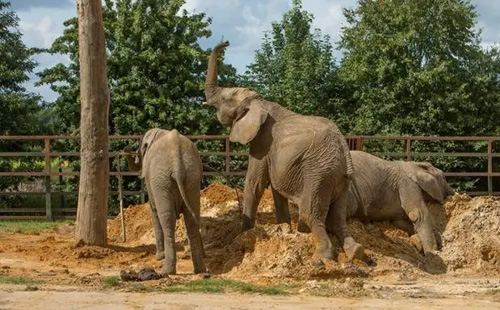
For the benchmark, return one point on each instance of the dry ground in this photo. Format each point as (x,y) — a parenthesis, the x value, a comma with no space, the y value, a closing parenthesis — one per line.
(43,270)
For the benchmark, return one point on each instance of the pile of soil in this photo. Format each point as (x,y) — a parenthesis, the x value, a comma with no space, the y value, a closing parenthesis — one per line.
(471,239)
(470,230)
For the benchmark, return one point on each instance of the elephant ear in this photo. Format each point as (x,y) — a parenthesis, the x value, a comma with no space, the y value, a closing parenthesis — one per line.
(247,124)
(146,141)
(423,175)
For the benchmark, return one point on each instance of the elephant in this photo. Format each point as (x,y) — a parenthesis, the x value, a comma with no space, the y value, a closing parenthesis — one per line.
(396,191)
(171,166)
(305,159)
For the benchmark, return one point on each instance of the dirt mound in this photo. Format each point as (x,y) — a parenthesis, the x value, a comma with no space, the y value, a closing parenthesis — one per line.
(469,230)
(138,226)
(472,237)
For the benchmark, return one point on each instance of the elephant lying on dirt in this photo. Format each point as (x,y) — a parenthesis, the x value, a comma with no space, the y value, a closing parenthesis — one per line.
(305,158)
(396,191)
(382,190)
(172,169)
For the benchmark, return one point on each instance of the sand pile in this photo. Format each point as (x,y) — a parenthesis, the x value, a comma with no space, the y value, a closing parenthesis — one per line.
(472,236)
(469,227)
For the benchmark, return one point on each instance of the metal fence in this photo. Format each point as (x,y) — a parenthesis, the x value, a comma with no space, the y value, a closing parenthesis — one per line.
(354,142)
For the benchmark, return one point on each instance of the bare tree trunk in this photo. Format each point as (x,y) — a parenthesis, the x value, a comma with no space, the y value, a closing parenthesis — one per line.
(94,92)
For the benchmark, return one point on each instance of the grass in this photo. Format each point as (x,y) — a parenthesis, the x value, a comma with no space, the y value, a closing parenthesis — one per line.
(18,280)
(28,227)
(495,291)
(225,285)
(112,281)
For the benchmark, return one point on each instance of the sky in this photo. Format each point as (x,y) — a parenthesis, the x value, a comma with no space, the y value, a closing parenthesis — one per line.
(242,22)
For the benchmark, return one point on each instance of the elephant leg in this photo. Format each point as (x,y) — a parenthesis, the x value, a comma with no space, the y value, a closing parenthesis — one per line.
(302,226)
(313,211)
(165,207)
(414,206)
(160,246)
(193,232)
(255,184)
(281,209)
(337,224)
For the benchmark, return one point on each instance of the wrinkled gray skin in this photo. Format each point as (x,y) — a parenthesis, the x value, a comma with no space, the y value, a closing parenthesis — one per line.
(172,169)
(304,158)
(396,191)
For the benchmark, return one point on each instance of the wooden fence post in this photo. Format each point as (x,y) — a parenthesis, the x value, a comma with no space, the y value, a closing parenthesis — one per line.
(143,193)
(408,149)
(120,197)
(490,167)
(48,195)
(228,159)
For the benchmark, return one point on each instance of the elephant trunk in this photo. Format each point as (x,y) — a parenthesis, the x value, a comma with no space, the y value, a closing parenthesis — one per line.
(211,79)
(134,164)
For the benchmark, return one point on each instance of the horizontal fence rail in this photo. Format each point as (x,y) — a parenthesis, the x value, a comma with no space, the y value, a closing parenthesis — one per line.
(354,143)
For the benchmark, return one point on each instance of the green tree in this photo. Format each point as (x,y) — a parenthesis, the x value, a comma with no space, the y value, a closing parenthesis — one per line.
(18,107)
(156,74)
(416,67)
(156,69)
(295,65)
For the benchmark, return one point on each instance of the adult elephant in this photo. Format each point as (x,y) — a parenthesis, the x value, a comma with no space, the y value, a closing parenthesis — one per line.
(305,158)
(396,191)
(172,169)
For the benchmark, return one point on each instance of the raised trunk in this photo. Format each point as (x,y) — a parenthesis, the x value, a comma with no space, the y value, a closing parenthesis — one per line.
(211,79)
(92,211)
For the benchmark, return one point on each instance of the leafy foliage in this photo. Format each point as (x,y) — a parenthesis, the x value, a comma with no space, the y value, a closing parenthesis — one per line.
(18,108)
(417,67)
(295,66)
(156,69)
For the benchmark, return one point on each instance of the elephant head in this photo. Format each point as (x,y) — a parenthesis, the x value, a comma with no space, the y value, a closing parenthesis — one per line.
(236,106)
(430,179)
(135,162)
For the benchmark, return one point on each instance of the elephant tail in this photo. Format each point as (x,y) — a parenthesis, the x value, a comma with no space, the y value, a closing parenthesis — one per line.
(347,154)
(179,179)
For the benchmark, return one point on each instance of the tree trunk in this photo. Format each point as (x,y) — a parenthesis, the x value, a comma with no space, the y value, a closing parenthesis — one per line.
(94,94)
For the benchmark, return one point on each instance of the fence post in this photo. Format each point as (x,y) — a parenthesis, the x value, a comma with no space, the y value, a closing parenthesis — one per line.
(120,197)
(228,160)
(408,149)
(490,168)
(143,195)
(48,195)
(359,145)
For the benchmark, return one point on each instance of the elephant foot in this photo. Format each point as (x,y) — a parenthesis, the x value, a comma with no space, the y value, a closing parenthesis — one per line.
(324,252)
(417,243)
(160,255)
(198,270)
(168,270)
(247,223)
(354,250)
(302,227)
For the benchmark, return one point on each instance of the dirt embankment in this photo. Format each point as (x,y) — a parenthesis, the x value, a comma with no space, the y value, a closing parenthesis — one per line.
(469,230)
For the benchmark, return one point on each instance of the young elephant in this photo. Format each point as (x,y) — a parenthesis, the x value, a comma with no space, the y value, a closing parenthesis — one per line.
(396,191)
(172,169)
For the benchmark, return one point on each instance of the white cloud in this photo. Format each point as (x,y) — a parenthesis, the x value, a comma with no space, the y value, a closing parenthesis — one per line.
(40,27)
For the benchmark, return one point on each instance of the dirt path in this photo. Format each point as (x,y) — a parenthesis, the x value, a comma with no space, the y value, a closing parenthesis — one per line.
(71,300)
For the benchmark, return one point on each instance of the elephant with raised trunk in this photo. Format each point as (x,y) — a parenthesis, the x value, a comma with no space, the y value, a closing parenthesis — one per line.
(172,169)
(397,191)
(304,158)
